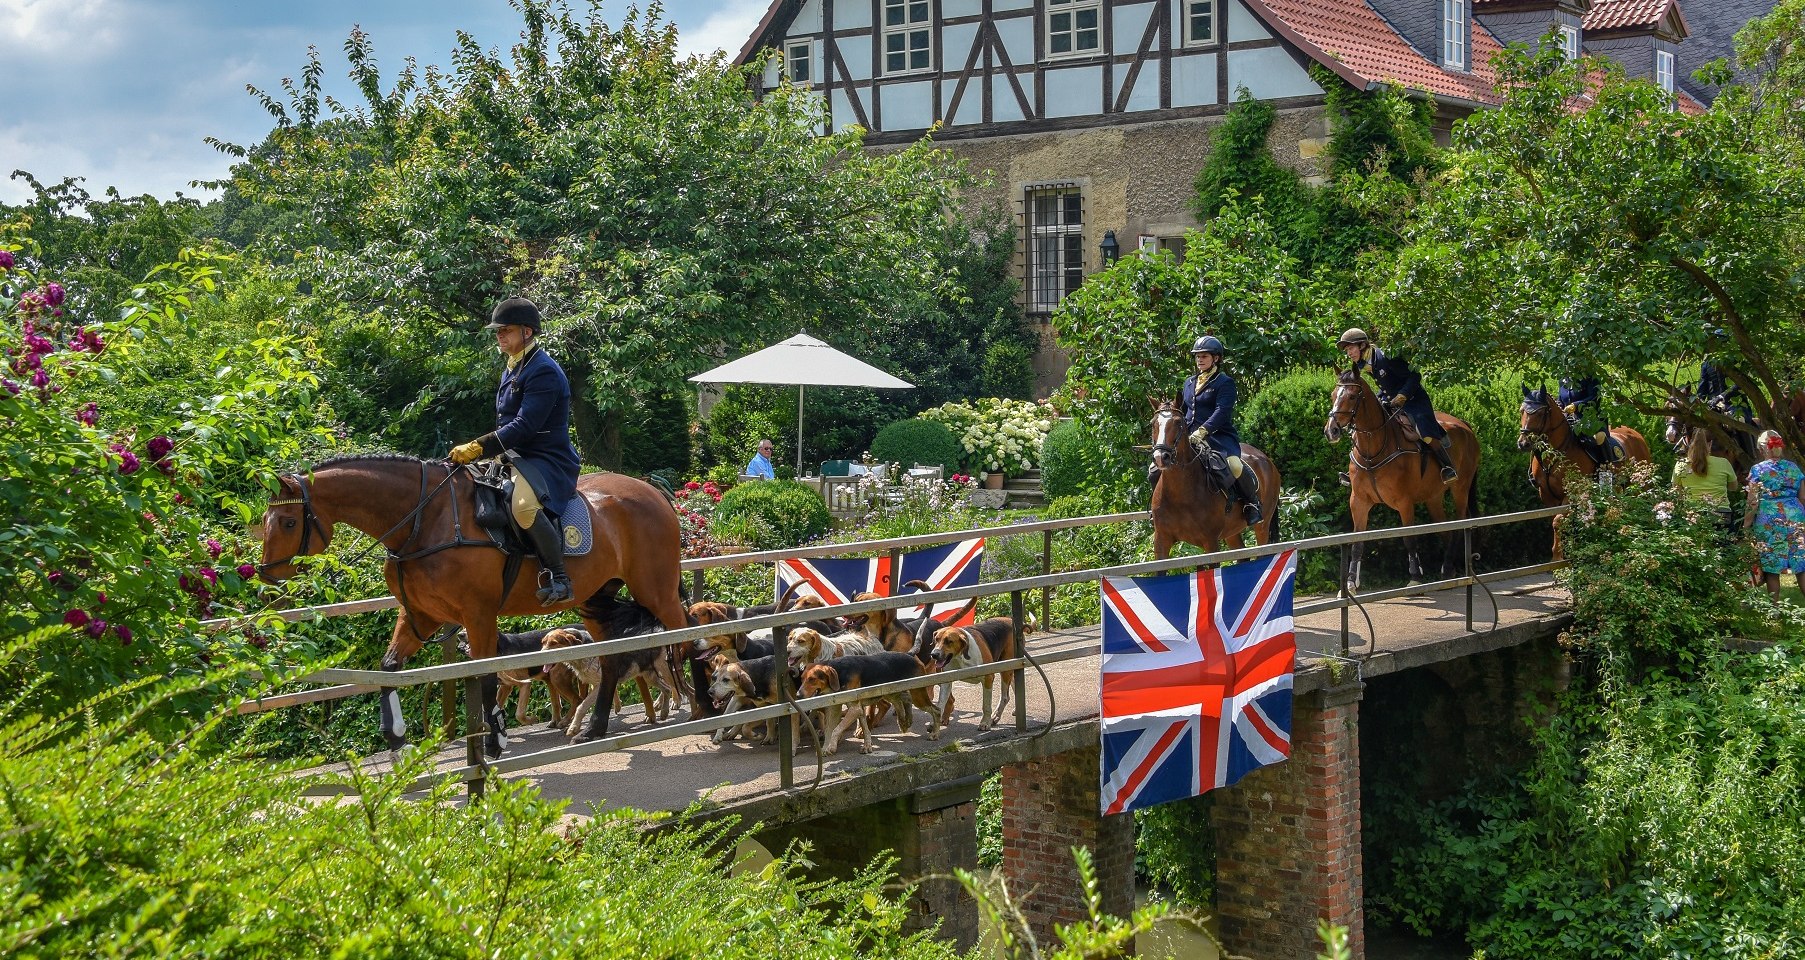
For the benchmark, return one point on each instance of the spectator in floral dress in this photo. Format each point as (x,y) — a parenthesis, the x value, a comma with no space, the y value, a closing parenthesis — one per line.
(1776,515)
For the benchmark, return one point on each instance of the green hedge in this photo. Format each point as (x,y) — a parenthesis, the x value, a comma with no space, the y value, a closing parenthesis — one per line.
(1067,462)
(771,514)
(917,441)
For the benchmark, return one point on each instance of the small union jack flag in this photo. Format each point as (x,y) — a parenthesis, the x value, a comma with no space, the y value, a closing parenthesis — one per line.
(1196,679)
(836,581)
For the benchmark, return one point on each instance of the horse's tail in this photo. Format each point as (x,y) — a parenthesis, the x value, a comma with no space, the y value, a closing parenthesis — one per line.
(1473,498)
(1272,523)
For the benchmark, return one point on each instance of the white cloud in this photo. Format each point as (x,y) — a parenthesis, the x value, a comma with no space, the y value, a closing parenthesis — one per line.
(57,29)
(725,29)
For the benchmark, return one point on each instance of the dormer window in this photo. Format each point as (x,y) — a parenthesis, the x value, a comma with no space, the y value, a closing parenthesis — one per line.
(1569,35)
(1664,70)
(908,36)
(1454,32)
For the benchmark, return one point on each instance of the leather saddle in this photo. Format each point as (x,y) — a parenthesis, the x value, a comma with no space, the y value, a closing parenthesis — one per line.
(495,514)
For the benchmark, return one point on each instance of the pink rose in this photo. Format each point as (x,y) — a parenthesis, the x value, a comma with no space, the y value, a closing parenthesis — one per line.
(53,294)
(124,633)
(76,618)
(246,571)
(213,546)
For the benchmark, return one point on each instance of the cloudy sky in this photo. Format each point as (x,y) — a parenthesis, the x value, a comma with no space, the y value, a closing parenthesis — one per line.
(122,92)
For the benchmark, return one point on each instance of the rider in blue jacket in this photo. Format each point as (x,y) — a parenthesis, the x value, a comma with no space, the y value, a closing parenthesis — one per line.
(1208,402)
(1583,407)
(532,429)
(1400,388)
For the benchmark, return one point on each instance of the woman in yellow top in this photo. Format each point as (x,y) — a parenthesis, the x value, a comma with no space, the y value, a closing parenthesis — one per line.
(1704,477)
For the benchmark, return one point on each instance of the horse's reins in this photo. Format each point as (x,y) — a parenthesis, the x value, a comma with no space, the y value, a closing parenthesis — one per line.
(309,522)
(1360,459)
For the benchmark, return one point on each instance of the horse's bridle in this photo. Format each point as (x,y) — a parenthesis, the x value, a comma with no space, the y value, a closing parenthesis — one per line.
(1165,448)
(310,522)
(1543,408)
(1352,426)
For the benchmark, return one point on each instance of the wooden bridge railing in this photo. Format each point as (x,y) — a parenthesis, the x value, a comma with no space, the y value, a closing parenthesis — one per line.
(350,682)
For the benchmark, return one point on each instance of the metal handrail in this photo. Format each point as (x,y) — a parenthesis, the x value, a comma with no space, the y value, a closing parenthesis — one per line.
(488,665)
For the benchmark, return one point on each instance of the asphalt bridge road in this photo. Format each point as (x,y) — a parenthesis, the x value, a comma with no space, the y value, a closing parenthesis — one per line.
(742,778)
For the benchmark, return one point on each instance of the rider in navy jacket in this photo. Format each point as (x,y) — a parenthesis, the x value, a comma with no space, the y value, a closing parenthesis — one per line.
(1208,402)
(532,426)
(1400,388)
(1583,405)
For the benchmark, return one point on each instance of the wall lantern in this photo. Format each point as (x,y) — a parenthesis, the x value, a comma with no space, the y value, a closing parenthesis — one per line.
(1110,247)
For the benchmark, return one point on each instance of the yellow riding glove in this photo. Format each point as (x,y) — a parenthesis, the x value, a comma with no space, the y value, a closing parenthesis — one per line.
(467,452)
(1200,436)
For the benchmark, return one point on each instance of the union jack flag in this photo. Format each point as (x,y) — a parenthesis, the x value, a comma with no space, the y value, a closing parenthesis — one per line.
(836,581)
(1196,679)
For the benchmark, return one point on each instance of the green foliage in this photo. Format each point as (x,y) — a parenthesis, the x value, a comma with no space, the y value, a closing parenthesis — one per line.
(1067,461)
(659,209)
(100,248)
(1175,849)
(1240,168)
(112,842)
(916,441)
(742,417)
(1634,621)
(1008,371)
(1098,935)
(1610,240)
(655,435)
(1128,330)
(786,514)
(1286,420)
(114,518)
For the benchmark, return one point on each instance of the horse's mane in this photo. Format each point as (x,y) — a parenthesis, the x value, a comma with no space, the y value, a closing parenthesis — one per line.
(353,458)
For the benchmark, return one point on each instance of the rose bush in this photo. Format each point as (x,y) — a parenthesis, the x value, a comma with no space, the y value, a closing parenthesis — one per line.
(997,435)
(113,523)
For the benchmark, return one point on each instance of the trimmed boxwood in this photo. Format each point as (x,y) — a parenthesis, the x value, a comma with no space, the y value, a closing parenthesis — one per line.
(916,441)
(1066,461)
(779,513)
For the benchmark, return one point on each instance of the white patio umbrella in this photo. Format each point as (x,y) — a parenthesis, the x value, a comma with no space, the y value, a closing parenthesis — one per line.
(804,362)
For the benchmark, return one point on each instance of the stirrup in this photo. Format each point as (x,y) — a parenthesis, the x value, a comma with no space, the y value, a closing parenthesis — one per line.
(1449,475)
(1250,512)
(553,589)
(1346,481)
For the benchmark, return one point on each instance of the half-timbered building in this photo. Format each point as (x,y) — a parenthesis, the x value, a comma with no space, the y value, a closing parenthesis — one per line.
(1093,117)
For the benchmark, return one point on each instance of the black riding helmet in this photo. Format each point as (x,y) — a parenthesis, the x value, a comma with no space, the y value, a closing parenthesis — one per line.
(1208,344)
(515,312)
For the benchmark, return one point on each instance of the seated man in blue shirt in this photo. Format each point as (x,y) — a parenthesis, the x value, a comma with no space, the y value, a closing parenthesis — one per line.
(760,466)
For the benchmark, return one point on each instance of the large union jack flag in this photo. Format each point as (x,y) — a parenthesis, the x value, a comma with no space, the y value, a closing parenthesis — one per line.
(1196,679)
(836,581)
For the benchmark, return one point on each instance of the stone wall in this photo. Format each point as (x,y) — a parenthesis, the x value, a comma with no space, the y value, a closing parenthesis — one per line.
(1136,179)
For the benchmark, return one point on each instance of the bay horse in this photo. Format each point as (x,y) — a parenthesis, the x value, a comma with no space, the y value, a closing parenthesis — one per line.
(1390,468)
(1187,504)
(1544,429)
(444,569)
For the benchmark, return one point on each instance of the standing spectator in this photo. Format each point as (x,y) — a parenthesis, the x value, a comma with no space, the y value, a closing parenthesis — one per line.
(1705,478)
(760,466)
(1776,515)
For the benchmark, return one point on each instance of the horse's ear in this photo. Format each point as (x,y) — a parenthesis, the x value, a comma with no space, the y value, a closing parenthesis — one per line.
(1526,393)
(1155,402)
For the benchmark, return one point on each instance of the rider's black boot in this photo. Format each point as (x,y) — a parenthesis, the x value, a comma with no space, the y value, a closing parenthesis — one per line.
(1248,485)
(548,543)
(1448,473)
(1153,473)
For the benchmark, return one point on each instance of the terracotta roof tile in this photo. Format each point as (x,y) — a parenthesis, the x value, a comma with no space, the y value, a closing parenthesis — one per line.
(1615,14)
(1350,37)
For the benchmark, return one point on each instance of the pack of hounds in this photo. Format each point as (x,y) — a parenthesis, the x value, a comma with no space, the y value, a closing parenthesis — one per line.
(737,670)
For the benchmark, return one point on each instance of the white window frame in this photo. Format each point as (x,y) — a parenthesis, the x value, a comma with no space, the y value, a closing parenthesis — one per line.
(916,23)
(1664,69)
(1211,9)
(1569,35)
(1456,27)
(807,47)
(1073,9)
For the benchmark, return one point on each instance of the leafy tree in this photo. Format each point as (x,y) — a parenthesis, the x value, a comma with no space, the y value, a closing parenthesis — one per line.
(1129,329)
(102,247)
(1591,228)
(659,212)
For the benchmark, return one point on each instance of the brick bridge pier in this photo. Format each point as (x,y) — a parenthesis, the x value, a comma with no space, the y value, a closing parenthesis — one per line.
(1287,837)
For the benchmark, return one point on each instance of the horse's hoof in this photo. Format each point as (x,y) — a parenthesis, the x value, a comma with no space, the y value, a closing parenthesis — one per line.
(492,751)
(581,738)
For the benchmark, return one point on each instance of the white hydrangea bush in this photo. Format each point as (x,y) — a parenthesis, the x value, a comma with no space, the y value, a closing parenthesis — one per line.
(998,436)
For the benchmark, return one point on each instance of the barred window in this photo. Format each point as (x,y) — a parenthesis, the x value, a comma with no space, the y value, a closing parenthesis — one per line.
(1054,228)
(908,36)
(1454,34)
(1073,26)
(1200,22)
